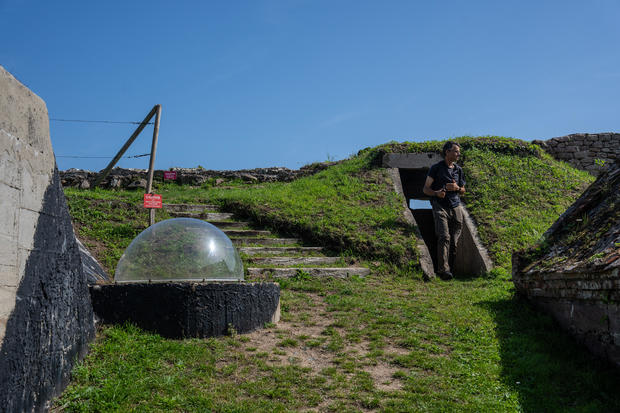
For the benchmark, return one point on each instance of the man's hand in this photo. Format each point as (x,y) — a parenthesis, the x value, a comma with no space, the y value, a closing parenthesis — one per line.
(452,186)
(441,193)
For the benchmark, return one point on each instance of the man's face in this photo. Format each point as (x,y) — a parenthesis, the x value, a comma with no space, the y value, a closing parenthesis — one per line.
(453,154)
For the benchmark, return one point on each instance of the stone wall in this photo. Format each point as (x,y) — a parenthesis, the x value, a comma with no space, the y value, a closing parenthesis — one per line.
(46,318)
(136,178)
(582,150)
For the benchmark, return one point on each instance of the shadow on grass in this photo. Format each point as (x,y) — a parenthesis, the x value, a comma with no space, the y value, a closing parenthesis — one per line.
(546,367)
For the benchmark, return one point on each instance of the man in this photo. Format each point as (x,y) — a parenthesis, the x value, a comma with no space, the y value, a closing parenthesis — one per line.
(445,184)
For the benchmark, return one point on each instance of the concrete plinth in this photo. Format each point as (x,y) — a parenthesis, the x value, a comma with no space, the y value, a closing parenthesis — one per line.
(186,309)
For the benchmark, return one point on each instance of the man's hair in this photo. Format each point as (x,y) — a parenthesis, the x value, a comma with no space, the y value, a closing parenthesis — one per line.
(447,146)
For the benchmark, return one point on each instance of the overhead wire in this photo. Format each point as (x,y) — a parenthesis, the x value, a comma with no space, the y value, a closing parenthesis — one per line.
(99,121)
(100,157)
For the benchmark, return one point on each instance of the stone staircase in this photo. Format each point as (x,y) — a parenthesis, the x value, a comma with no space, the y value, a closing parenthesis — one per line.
(265,254)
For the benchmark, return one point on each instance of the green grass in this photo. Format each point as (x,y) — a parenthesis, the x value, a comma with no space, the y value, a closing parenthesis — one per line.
(386,342)
(516,199)
(466,345)
(515,192)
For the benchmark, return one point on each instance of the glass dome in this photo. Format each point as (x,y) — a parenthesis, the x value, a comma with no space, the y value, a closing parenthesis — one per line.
(180,249)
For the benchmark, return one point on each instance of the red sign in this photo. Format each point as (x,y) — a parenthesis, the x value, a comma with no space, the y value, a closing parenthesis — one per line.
(170,175)
(152,201)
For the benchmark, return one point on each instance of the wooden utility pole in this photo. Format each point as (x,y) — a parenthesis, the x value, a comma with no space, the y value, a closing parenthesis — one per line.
(156,111)
(149,183)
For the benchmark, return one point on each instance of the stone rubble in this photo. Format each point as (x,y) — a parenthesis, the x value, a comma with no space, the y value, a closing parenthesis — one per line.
(136,178)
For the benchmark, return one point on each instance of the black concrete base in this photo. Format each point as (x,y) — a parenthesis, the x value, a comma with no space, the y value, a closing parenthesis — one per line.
(186,309)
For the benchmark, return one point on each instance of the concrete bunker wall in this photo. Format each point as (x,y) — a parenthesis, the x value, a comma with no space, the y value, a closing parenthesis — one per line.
(409,174)
(46,318)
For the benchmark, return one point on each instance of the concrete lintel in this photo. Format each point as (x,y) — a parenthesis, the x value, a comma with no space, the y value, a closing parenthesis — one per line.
(411,160)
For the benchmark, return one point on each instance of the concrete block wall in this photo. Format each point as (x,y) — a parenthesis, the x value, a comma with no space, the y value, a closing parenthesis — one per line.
(583,149)
(46,318)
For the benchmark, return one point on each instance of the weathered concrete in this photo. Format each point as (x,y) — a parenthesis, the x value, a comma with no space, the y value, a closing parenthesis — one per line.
(92,268)
(171,208)
(338,272)
(247,232)
(411,160)
(46,319)
(293,260)
(224,225)
(265,241)
(183,309)
(279,250)
(472,257)
(574,275)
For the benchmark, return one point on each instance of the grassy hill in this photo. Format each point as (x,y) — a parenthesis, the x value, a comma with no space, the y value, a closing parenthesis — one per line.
(387,342)
(515,192)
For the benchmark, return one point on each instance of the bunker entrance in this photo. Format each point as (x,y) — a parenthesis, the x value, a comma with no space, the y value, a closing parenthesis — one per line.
(471,257)
(412,181)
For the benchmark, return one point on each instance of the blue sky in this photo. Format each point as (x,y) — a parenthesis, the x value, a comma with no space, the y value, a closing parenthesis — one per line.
(247,84)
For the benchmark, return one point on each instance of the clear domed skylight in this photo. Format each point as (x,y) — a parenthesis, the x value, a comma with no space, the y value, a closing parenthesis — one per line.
(180,249)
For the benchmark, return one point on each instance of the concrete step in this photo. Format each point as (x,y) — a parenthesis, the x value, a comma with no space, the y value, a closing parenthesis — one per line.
(224,225)
(214,217)
(264,241)
(291,261)
(246,233)
(312,272)
(279,250)
(207,216)
(190,207)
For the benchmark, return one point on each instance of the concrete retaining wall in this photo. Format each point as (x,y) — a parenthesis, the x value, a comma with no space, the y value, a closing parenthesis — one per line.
(46,319)
(582,150)
(184,309)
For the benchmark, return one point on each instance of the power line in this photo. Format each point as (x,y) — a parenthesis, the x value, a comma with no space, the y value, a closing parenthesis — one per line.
(99,157)
(97,121)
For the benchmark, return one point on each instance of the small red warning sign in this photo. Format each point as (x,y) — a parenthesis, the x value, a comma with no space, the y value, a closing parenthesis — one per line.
(172,175)
(152,201)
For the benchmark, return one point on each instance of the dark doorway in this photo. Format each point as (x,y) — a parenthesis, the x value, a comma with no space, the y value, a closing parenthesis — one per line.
(412,181)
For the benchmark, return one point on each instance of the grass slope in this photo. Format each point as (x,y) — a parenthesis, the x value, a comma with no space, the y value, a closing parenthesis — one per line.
(389,342)
(382,343)
(515,192)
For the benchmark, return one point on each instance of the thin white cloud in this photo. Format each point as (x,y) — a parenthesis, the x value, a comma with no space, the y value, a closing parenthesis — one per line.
(339,118)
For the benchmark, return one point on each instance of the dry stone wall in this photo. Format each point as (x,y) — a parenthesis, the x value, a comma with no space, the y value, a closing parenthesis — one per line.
(587,151)
(136,178)
(46,319)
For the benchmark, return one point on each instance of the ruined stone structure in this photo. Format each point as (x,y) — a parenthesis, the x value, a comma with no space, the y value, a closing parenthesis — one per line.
(136,178)
(587,151)
(46,319)
(574,274)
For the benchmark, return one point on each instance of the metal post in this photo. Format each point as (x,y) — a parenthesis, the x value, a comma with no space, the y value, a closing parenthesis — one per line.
(149,183)
(132,138)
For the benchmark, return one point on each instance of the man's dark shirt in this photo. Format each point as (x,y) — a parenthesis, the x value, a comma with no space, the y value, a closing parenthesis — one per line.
(443,175)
